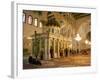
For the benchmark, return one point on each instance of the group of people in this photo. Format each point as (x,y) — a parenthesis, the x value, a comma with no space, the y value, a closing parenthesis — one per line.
(35,61)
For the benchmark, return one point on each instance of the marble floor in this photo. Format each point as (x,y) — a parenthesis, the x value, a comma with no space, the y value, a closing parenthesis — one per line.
(71,61)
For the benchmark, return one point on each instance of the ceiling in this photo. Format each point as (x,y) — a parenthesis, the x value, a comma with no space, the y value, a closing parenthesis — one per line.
(80,15)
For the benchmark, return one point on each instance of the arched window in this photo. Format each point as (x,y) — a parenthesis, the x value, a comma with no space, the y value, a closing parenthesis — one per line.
(40,24)
(30,19)
(35,22)
(24,17)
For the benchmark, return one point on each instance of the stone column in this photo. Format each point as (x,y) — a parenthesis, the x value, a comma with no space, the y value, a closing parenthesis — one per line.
(58,50)
(54,48)
(32,47)
(45,50)
(64,48)
(39,47)
(68,53)
(48,48)
(56,53)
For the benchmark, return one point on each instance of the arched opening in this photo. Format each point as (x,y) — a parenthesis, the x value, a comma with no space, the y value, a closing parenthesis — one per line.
(41,55)
(52,52)
(30,19)
(88,36)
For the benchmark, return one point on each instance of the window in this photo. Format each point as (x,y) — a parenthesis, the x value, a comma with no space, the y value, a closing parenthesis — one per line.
(24,17)
(35,22)
(30,19)
(40,24)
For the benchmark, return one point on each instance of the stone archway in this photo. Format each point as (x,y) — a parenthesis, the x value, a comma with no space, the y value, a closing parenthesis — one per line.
(88,36)
(84,28)
(42,55)
(85,32)
(52,52)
